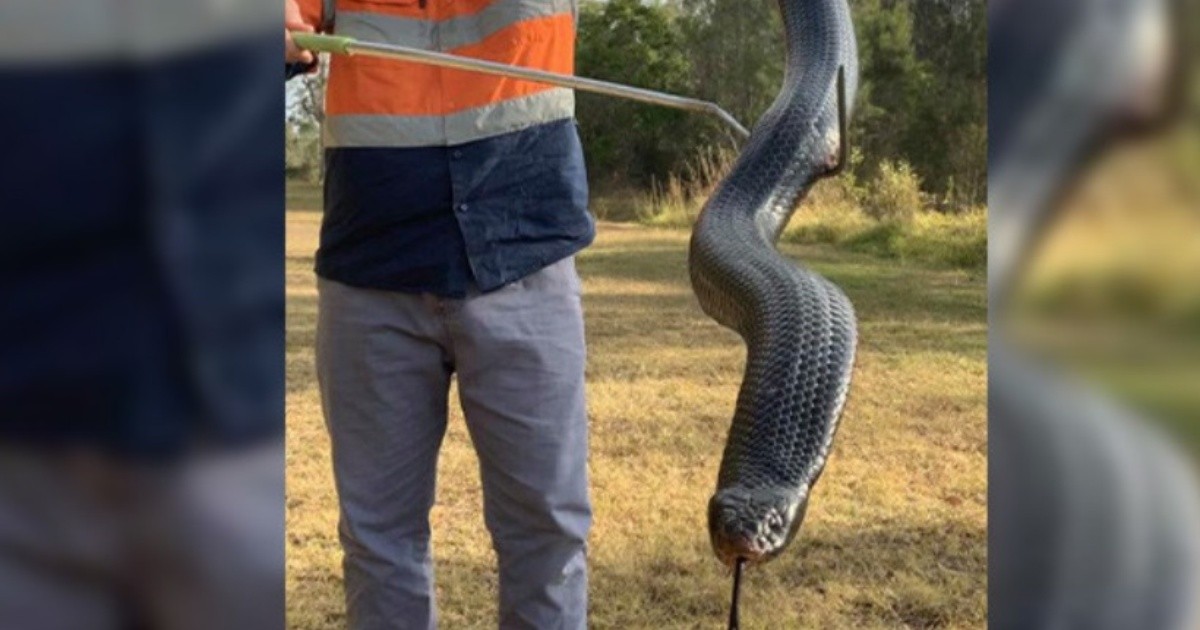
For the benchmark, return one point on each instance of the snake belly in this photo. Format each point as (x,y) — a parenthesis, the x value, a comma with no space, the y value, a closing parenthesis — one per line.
(799,329)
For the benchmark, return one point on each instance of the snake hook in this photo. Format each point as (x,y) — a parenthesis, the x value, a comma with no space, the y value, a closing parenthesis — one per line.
(843,125)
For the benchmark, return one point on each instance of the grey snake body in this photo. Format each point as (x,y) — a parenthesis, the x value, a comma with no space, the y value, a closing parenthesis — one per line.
(798,327)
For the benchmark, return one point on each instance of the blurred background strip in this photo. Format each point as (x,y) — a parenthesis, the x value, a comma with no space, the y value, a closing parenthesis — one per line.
(1094,311)
(141,323)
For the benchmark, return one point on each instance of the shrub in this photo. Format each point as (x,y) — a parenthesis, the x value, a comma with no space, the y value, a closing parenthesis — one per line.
(894,194)
(945,240)
(952,240)
(830,214)
(619,203)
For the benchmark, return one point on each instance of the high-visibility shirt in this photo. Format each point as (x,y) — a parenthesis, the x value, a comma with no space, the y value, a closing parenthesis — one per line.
(441,180)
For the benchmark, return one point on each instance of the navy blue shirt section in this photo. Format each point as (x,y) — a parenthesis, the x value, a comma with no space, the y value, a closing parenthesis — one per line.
(141,251)
(445,220)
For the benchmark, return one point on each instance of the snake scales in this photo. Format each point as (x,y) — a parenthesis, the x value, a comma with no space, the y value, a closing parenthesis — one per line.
(798,327)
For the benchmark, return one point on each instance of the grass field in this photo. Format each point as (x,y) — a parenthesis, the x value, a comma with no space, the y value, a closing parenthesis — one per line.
(896,533)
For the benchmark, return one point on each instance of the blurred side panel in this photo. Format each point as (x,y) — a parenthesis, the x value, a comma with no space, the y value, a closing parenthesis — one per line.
(1094,343)
(141,323)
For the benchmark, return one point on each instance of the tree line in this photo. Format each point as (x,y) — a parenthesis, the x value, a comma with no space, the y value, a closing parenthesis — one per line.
(922,98)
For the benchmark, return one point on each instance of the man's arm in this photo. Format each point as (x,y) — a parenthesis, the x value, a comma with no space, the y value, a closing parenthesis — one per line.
(300,15)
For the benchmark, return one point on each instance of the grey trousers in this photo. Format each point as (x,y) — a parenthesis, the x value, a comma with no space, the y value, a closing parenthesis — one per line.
(96,543)
(384,362)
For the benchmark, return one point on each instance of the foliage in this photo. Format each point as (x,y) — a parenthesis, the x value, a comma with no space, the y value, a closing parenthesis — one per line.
(921,100)
(928,237)
(885,218)
(894,193)
(304,158)
(950,240)
(677,202)
(628,42)
(737,52)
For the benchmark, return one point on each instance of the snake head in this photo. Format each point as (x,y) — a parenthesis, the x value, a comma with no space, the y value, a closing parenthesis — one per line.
(753,524)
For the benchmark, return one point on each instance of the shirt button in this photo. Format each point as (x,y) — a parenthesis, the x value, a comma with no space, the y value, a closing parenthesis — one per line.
(462,207)
(456,154)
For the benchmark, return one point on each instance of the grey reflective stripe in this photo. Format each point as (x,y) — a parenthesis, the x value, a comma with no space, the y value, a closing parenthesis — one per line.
(53,31)
(365,130)
(387,29)
(447,34)
(176,26)
(511,115)
(470,29)
(457,128)
(37,30)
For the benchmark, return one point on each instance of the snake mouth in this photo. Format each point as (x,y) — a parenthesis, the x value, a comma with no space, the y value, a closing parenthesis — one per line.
(753,525)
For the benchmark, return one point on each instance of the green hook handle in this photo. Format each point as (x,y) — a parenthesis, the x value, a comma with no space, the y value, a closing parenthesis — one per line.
(315,42)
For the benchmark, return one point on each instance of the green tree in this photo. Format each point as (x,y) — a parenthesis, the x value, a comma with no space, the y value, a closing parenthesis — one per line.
(737,51)
(921,100)
(890,81)
(947,136)
(628,42)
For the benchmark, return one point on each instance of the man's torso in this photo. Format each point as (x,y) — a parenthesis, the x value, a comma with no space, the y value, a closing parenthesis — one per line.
(442,180)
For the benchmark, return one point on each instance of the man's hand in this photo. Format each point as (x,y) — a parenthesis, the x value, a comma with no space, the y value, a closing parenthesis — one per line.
(294,21)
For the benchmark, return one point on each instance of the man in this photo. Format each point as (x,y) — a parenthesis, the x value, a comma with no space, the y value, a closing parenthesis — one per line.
(454,203)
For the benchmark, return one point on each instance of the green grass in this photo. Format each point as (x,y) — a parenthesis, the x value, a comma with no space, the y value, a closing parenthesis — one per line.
(895,536)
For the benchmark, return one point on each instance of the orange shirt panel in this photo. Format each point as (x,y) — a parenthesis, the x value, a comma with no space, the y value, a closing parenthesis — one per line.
(361,85)
(311,11)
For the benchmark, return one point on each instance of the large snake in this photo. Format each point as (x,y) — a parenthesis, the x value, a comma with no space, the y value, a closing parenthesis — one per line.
(798,327)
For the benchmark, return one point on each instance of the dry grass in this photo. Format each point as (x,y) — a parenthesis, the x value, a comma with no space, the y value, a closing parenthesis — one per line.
(895,537)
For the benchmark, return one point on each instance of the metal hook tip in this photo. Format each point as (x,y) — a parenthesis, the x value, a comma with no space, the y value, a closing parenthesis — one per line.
(843,124)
